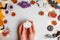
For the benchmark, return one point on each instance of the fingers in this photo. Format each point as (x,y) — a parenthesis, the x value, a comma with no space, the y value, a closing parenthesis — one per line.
(20,28)
(32,27)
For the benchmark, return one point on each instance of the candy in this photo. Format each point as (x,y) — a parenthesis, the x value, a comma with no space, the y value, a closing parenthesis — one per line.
(50,28)
(24,4)
(6,11)
(11,6)
(54,23)
(52,14)
(41,13)
(33,2)
(5,21)
(13,14)
(59,17)
(14,1)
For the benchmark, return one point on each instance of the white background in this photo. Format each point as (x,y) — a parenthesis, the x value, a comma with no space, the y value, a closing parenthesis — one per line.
(40,22)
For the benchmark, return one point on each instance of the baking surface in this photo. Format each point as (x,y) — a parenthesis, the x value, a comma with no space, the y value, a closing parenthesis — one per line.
(31,13)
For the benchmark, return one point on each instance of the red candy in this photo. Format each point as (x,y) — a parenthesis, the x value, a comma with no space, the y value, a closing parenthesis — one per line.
(33,2)
(13,14)
(5,33)
(52,14)
(41,13)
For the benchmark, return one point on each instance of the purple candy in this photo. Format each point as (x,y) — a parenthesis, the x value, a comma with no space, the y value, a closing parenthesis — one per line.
(6,11)
(24,4)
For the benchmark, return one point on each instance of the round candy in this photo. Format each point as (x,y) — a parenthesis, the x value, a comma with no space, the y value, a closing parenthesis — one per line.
(41,13)
(14,1)
(6,11)
(50,28)
(33,2)
(5,21)
(11,7)
(13,14)
(59,17)
(52,14)
(54,23)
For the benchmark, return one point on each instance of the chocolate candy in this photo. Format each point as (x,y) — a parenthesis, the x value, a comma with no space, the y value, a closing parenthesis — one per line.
(59,17)
(50,28)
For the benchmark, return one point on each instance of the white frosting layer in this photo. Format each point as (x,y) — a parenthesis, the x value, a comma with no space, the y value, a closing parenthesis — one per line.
(27,24)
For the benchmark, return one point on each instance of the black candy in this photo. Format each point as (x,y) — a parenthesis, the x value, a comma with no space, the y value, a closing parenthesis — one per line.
(50,28)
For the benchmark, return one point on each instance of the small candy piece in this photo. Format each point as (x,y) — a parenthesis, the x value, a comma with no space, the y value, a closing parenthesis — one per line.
(59,17)
(6,11)
(54,23)
(5,21)
(13,14)
(24,4)
(52,14)
(27,24)
(11,6)
(41,13)
(6,32)
(33,2)
(14,1)
(50,28)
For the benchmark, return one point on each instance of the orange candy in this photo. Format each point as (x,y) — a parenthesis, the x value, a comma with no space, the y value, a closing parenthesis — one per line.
(14,1)
(41,13)
(52,14)
(54,23)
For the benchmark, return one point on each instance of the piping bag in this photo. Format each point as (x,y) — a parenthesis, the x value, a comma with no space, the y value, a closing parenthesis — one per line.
(26,31)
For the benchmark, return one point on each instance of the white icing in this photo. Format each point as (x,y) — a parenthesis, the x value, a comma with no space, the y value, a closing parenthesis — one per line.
(27,24)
